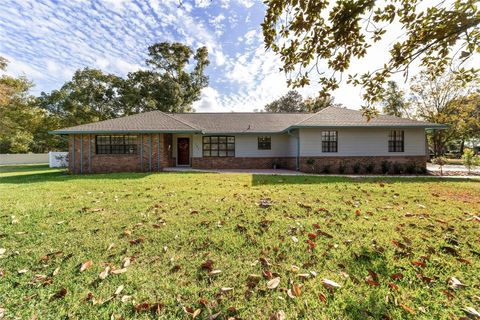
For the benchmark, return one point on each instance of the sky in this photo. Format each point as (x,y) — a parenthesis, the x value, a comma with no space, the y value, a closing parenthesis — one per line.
(48,40)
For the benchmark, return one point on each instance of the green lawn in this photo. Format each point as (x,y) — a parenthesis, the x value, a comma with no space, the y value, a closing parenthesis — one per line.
(176,228)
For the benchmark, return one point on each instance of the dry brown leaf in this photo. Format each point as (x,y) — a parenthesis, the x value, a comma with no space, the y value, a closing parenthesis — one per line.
(272,284)
(86,265)
(126,262)
(455,283)
(471,312)
(119,290)
(408,309)
(214,272)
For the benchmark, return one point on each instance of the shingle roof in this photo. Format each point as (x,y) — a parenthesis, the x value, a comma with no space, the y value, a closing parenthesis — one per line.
(342,117)
(153,121)
(248,122)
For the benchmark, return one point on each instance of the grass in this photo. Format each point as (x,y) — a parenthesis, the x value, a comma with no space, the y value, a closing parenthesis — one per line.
(51,223)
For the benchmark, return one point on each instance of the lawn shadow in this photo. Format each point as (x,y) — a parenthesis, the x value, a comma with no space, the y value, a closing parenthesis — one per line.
(265,179)
(44,174)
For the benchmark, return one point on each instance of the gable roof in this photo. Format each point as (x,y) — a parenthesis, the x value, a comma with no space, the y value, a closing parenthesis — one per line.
(239,123)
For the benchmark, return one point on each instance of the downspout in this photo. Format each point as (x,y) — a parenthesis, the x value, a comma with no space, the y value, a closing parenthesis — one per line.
(297,158)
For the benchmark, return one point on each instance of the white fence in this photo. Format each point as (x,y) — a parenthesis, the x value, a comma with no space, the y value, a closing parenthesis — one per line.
(58,159)
(54,159)
(26,158)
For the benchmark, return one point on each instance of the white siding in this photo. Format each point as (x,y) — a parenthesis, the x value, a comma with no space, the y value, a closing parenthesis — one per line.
(283,145)
(247,146)
(362,142)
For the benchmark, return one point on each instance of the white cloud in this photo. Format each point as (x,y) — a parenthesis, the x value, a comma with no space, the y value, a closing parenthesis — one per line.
(209,102)
(202,3)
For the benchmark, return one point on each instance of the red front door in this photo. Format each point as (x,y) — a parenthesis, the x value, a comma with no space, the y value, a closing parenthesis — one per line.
(183,151)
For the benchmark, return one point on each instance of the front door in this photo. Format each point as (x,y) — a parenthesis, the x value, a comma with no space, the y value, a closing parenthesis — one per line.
(183,151)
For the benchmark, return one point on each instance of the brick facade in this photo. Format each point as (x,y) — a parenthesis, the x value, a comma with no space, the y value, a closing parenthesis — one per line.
(83,158)
(243,163)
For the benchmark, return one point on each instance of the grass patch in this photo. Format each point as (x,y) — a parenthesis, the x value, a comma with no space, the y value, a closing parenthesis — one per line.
(178,227)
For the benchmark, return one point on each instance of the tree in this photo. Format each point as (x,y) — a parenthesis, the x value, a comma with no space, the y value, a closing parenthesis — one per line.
(19,115)
(91,95)
(293,101)
(290,102)
(308,33)
(470,160)
(168,86)
(441,99)
(469,122)
(394,102)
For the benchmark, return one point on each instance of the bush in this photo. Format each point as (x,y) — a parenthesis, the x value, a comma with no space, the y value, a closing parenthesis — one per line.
(326,169)
(356,167)
(386,166)
(470,160)
(411,167)
(369,167)
(311,162)
(397,168)
(342,168)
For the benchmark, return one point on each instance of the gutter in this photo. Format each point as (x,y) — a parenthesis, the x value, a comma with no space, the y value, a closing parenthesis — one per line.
(120,131)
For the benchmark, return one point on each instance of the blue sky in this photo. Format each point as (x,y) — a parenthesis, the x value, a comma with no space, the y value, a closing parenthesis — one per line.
(48,40)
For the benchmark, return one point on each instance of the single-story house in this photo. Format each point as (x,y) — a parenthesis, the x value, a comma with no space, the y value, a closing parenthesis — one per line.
(333,139)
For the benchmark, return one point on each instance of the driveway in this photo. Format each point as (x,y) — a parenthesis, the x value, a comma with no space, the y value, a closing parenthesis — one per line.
(452,168)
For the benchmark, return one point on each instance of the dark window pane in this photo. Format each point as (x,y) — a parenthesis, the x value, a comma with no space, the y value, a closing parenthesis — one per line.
(218,146)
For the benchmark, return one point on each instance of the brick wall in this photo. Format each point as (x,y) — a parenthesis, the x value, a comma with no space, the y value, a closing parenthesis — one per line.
(242,163)
(334,163)
(83,158)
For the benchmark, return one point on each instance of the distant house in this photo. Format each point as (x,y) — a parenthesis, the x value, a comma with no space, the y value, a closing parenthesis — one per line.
(334,138)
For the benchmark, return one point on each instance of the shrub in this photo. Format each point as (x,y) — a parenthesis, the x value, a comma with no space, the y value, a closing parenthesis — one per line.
(470,160)
(342,168)
(356,167)
(326,169)
(311,162)
(411,167)
(440,161)
(369,167)
(397,168)
(386,166)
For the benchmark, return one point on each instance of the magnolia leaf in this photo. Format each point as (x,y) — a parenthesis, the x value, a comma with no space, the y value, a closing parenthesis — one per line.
(329,284)
(272,284)
(215,272)
(119,271)
(104,273)
(86,265)
(119,290)
(471,312)
(455,283)
(126,262)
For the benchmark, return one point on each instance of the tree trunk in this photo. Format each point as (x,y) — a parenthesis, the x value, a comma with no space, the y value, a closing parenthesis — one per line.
(462,146)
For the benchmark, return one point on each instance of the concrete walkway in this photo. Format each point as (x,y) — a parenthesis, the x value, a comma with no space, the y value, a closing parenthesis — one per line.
(451,168)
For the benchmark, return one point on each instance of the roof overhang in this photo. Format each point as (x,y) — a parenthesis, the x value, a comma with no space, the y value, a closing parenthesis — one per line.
(426,126)
(66,132)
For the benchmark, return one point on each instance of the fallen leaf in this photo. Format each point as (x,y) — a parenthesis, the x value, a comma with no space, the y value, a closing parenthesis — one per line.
(2,251)
(455,283)
(119,271)
(396,276)
(225,289)
(56,271)
(104,273)
(138,240)
(60,293)
(322,297)
(329,284)
(126,262)
(272,284)
(110,246)
(471,312)
(214,272)
(419,263)
(22,271)
(86,265)
(393,286)
(119,290)
(408,309)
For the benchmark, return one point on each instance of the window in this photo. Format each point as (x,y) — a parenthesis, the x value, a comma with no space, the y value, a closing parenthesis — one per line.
(329,141)
(116,144)
(264,143)
(219,146)
(396,141)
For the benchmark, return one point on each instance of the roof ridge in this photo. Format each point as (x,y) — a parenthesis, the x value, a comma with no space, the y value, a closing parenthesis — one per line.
(314,114)
(179,120)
